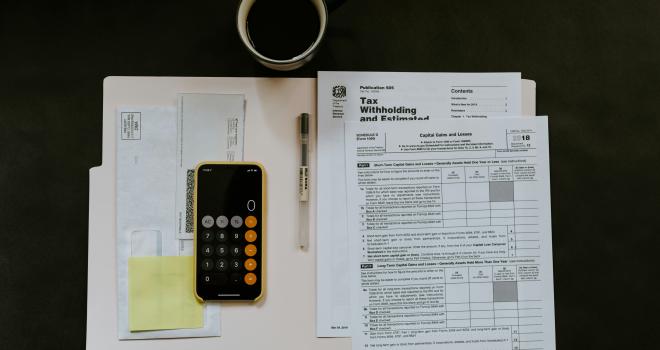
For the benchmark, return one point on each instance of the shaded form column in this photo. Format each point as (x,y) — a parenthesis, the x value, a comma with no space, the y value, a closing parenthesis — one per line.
(505,300)
(500,192)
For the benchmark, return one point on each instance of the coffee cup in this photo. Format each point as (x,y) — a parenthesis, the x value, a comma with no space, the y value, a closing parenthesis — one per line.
(283,34)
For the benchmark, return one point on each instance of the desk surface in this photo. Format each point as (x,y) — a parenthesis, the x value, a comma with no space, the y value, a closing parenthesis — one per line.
(596,68)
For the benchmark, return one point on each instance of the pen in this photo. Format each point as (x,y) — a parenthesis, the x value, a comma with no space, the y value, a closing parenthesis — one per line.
(303,183)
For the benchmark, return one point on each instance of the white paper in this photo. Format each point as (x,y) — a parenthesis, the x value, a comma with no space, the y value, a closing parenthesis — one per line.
(210,129)
(450,236)
(146,177)
(349,96)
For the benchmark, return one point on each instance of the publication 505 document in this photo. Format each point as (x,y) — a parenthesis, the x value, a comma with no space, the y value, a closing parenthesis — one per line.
(392,98)
(450,237)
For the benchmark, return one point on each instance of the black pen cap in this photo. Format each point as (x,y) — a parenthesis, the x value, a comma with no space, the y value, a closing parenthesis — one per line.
(304,123)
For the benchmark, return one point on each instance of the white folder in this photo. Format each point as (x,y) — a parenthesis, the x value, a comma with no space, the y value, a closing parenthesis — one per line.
(286,318)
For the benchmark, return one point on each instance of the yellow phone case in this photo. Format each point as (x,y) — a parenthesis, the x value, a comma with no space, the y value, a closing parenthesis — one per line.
(264,210)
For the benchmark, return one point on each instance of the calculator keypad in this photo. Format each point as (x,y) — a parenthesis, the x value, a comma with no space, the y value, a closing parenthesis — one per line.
(240,252)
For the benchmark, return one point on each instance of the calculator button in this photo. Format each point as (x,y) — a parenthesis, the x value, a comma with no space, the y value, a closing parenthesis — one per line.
(250,264)
(235,264)
(207,264)
(222,236)
(236,221)
(221,265)
(250,236)
(251,205)
(221,249)
(207,250)
(250,278)
(235,278)
(250,250)
(250,221)
(236,236)
(214,278)
(208,221)
(207,236)
(221,221)
(235,250)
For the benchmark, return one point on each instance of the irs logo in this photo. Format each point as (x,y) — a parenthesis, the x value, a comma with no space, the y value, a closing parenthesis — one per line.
(339,91)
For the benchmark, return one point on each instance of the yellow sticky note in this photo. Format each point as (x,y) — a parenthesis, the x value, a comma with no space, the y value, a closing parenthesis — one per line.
(160,294)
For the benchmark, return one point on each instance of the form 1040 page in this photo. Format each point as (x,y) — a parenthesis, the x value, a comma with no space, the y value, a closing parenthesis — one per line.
(450,237)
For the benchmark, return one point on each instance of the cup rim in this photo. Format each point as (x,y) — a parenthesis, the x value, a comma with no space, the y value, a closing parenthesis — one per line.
(244,37)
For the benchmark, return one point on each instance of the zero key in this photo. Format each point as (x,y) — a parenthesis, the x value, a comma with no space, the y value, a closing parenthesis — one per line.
(215,278)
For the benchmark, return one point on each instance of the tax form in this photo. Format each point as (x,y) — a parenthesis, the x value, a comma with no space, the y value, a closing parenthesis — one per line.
(449,234)
(392,98)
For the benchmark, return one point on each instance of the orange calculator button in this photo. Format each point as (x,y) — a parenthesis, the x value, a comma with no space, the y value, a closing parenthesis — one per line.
(250,278)
(250,221)
(250,250)
(250,236)
(250,264)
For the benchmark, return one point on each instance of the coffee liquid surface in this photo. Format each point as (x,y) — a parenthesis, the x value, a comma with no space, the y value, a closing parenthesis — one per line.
(283,29)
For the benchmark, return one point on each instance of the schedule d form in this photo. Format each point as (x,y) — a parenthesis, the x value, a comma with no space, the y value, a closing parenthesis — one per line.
(382,98)
(450,237)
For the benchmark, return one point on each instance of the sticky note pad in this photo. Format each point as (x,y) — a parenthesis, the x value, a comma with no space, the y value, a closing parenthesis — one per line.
(160,294)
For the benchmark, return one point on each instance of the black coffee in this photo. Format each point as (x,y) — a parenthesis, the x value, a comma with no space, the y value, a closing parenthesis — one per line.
(283,29)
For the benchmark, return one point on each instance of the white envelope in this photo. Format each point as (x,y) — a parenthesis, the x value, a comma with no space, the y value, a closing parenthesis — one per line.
(210,128)
(146,178)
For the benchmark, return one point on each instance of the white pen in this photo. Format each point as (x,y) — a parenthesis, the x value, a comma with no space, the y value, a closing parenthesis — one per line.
(303,183)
